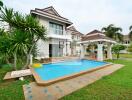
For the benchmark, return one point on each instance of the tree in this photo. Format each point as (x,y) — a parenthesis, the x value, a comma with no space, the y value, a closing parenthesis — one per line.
(117,48)
(2,32)
(1,4)
(4,47)
(26,24)
(19,44)
(130,33)
(35,32)
(7,15)
(113,32)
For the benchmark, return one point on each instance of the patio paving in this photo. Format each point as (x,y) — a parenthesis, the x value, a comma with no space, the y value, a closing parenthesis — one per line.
(56,91)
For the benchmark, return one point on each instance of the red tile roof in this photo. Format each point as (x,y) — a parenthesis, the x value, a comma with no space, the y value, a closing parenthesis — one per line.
(94,35)
(50,12)
(74,30)
(94,32)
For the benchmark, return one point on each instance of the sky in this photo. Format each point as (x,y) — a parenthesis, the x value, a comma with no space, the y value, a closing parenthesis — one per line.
(86,15)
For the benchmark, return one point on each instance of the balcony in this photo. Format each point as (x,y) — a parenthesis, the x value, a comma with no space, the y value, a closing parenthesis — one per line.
(59,34)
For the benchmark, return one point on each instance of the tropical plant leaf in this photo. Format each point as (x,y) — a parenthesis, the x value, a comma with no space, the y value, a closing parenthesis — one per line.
(1,3)
(113,32)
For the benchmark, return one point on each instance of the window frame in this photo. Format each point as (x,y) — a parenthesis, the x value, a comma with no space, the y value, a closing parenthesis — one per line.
(57,28)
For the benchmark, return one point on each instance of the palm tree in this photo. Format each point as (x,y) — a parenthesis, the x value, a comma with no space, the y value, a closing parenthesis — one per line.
(7,15)
(2,32)
(130,33)
(5,48)
(1,4)
(113,32)
(27,24)
(19,44)
(35,32)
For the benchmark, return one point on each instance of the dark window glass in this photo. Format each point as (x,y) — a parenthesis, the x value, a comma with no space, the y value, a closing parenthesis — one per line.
(56,28)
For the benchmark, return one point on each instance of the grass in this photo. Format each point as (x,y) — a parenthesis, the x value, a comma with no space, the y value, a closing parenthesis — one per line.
(117,86)
(124,56)
(11,90)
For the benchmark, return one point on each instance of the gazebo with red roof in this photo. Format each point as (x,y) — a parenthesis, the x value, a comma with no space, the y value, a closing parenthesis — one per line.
(99,38)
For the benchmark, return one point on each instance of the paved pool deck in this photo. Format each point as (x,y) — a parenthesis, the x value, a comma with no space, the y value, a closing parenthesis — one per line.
(57,90)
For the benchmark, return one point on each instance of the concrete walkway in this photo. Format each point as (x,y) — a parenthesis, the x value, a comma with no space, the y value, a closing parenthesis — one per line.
(56,91)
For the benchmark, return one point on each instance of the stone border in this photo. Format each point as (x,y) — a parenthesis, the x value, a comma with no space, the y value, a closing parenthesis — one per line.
(39,81)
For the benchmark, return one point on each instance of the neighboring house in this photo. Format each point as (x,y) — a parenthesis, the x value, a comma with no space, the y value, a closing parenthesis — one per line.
(126,40)
(58,44)
(76,37)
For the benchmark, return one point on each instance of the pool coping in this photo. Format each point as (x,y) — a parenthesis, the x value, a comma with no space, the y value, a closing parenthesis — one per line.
(39,81)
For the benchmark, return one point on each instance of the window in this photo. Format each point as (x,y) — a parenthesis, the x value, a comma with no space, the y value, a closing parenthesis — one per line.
(56,28)
(78,37)
(72,36)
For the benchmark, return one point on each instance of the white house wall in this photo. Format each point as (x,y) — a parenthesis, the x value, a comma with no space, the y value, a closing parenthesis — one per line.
(67,49)
(44,22)
(43,49)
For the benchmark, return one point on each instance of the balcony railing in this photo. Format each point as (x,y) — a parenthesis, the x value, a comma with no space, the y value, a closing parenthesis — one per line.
(56,33)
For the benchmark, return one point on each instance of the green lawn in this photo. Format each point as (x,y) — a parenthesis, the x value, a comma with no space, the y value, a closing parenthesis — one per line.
(124,55)
(11,90)
(117,86)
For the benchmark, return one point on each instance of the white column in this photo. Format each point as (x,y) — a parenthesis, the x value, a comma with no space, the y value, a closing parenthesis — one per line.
(82,51)
(109,52)
(31,59)
(100,52)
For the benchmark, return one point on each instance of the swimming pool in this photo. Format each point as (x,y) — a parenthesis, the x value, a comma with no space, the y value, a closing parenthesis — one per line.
(60,70)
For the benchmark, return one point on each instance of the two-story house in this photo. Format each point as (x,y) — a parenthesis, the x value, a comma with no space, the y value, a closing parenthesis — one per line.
(59,40)
(76,37)
(126,42)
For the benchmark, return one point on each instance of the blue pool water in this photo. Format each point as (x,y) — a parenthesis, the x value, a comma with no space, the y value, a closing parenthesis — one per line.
(60,69)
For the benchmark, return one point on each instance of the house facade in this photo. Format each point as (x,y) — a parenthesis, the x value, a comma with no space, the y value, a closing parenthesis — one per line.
(126,40)
(59,40)
(76,37)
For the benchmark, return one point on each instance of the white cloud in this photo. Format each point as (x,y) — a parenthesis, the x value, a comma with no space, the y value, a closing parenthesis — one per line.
(85,14)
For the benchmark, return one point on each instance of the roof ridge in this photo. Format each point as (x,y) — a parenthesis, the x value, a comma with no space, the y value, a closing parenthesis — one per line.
(94,31)
(72,28)
(48,8)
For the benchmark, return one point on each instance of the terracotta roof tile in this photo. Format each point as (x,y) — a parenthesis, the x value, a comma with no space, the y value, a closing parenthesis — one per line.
(51,12)
(95,37)
(94,32)
(74,30)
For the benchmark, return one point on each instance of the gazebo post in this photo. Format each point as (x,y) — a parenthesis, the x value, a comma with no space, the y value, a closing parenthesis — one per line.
(100,51)
(82,51)
(109,52)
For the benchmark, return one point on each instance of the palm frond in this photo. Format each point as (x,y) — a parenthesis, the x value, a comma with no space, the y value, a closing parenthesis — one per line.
(130,28)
